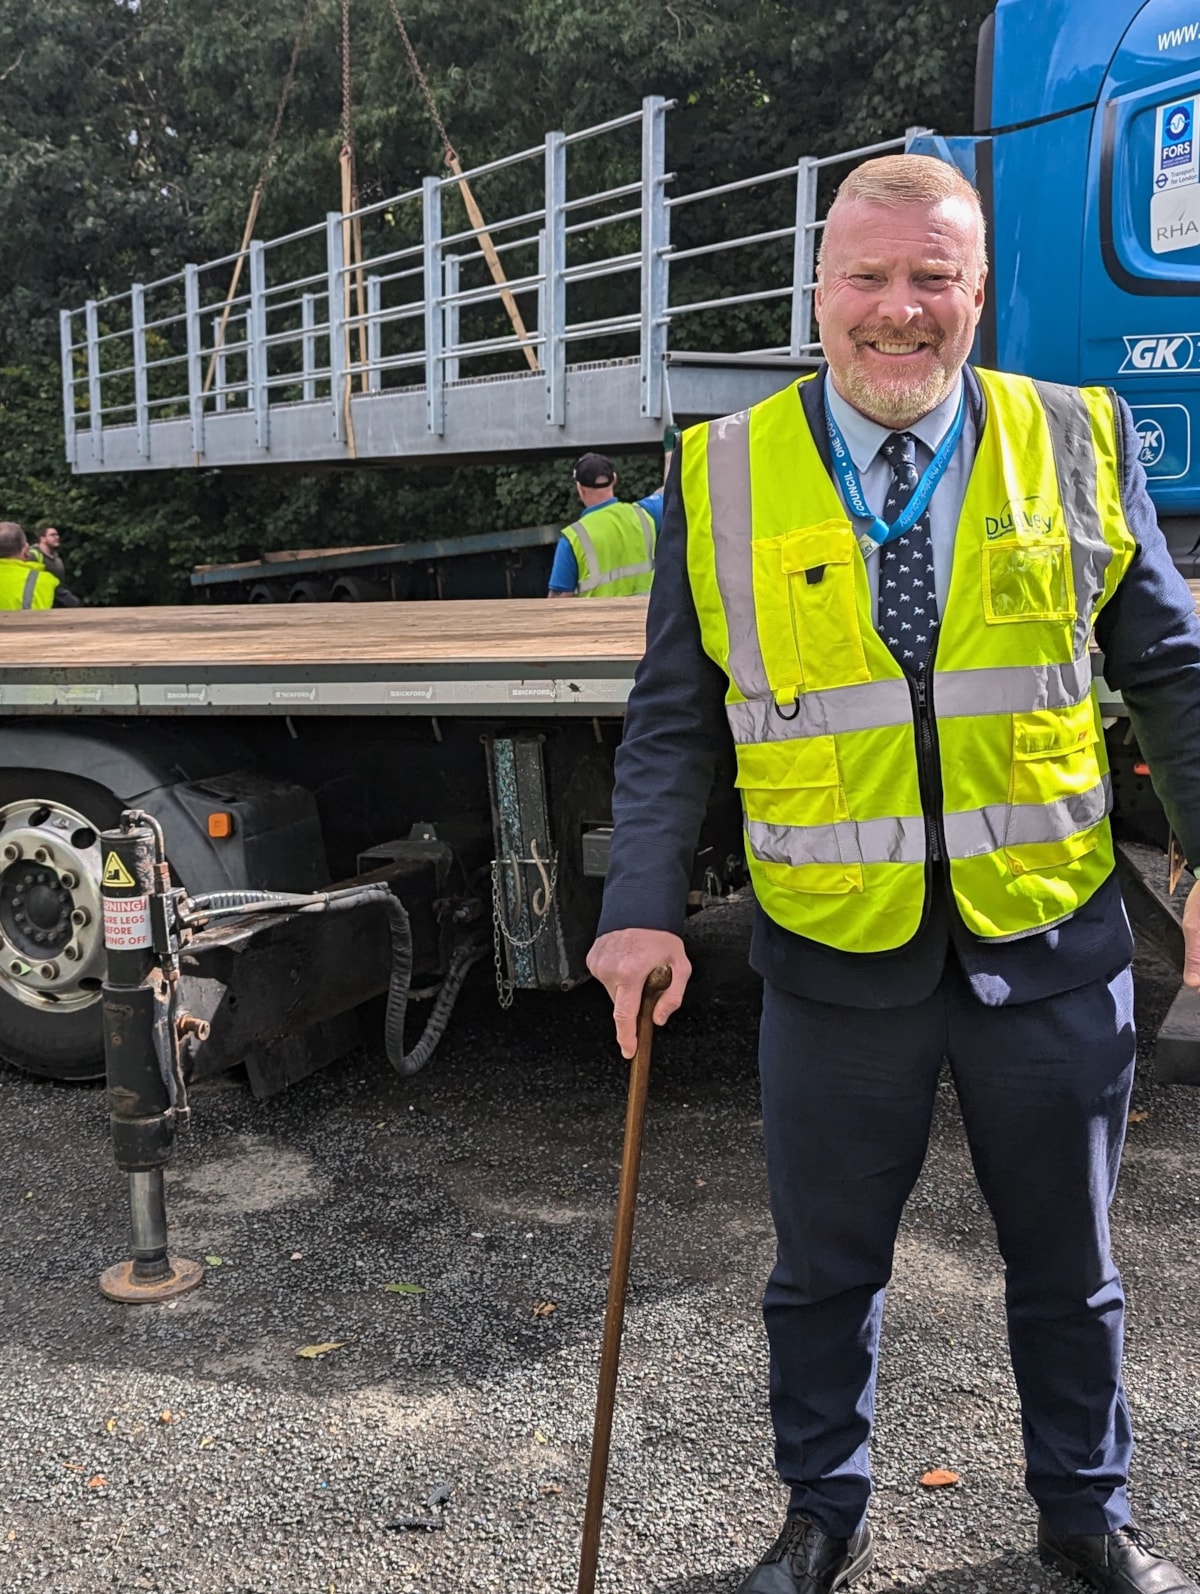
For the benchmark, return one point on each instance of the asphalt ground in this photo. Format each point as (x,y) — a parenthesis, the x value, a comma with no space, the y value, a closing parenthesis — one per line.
(188,1447)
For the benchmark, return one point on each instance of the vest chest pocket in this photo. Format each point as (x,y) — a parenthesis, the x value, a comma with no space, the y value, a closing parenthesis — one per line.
(805,593)
(1028,581)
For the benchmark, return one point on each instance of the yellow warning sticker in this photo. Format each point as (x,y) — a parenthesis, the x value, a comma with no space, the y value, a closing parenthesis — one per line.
(115,872)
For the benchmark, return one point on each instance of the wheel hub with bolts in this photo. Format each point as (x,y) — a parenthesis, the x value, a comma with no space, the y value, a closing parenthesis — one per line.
(51,915)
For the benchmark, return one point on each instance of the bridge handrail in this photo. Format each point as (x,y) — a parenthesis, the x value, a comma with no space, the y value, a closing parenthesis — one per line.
(308,324)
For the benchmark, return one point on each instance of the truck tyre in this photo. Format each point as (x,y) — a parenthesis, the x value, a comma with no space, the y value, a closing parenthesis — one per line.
(51,932)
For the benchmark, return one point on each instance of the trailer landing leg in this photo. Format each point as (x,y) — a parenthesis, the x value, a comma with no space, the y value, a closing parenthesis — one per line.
(151,1274)
(146,1094)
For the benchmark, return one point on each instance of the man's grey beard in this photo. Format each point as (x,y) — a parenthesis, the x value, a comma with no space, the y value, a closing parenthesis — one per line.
(891,405)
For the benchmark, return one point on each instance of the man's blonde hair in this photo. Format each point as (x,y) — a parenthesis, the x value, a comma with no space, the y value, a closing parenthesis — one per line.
(908,180)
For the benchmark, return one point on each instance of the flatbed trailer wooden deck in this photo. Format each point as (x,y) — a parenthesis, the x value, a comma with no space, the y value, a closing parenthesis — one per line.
(501,656)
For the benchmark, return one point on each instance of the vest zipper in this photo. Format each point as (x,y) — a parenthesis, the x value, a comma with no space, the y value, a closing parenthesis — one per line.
(929,771)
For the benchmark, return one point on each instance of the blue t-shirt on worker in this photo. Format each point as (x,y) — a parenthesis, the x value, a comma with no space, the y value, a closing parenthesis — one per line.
(564,573)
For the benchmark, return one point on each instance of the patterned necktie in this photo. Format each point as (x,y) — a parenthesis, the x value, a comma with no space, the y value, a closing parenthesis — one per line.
(908,616)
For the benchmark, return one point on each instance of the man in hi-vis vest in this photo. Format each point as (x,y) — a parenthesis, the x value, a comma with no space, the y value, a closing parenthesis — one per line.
(609,551)
(24,584)
(881,585)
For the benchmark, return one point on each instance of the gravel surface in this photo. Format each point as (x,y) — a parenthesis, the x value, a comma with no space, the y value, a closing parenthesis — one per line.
(188,1448)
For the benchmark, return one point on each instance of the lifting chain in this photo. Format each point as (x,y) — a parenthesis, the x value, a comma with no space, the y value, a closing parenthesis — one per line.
(423,82)
(539,911)
(286,92)
(346,117)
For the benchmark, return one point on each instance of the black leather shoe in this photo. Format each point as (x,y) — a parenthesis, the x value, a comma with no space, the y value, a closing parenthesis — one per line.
(803,1560)
(1123,1562)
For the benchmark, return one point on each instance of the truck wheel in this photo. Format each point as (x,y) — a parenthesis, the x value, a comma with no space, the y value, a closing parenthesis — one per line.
(51,922)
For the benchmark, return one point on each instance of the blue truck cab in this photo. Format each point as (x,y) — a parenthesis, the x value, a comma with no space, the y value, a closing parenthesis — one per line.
(1087,155)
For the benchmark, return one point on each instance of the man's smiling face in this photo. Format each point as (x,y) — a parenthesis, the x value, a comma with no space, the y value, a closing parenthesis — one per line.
(897,303)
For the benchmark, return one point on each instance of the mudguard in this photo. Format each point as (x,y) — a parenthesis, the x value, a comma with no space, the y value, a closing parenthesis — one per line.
(180,779)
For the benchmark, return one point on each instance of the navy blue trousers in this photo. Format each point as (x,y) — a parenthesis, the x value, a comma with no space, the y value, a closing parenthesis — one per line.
(848,1097)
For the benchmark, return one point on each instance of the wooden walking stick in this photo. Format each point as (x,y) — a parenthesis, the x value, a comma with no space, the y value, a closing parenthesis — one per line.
(618,1277)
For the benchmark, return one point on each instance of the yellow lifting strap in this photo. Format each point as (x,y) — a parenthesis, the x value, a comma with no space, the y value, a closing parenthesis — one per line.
(474,214)
(351,244)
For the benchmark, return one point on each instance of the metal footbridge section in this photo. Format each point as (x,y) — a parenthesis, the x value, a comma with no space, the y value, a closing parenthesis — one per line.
(389,334)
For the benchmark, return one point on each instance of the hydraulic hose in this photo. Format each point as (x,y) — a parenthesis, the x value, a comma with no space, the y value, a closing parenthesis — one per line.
(228,904)
(222,902)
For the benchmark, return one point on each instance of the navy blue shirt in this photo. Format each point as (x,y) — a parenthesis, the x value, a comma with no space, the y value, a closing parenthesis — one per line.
(675,728)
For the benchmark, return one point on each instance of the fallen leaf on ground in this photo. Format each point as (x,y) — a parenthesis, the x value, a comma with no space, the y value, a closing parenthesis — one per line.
(1138,1117)
(405,1289)
(939,1478)
(552,1488)
(545,1308)
(206,1441)
(169,1416)
(215,1261)
(111,1425)
(97,1482)
(313,1351)
(540,1436)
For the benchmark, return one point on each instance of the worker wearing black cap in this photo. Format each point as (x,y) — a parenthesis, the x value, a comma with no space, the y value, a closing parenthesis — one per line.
(609,551)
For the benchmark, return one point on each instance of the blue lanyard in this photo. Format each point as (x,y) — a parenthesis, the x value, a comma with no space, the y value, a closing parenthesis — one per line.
(878,531)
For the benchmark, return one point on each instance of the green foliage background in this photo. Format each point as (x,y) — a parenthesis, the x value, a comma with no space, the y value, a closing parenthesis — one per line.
(131,133)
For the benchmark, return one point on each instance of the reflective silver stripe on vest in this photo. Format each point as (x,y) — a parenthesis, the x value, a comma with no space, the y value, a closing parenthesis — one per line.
(1011,689)
(588,546)
(864,707)
(1075,460)
(649,532)
(872,705)
(30,588)
(846,842)
(615,575)
(729,500)
(982,830)
(589,550)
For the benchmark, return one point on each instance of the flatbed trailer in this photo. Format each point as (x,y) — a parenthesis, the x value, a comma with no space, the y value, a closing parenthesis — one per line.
(464,749)
(489,564)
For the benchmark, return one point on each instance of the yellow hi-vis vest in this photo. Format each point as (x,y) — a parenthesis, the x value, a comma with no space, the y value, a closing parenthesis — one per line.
(614,551)
(25,585)
(835,787)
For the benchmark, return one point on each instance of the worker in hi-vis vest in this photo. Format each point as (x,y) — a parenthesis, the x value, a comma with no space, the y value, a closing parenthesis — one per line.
(609,551)
(876,591)
(23,584)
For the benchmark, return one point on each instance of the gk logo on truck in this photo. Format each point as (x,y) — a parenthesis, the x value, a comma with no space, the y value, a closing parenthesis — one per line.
(1164,351)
